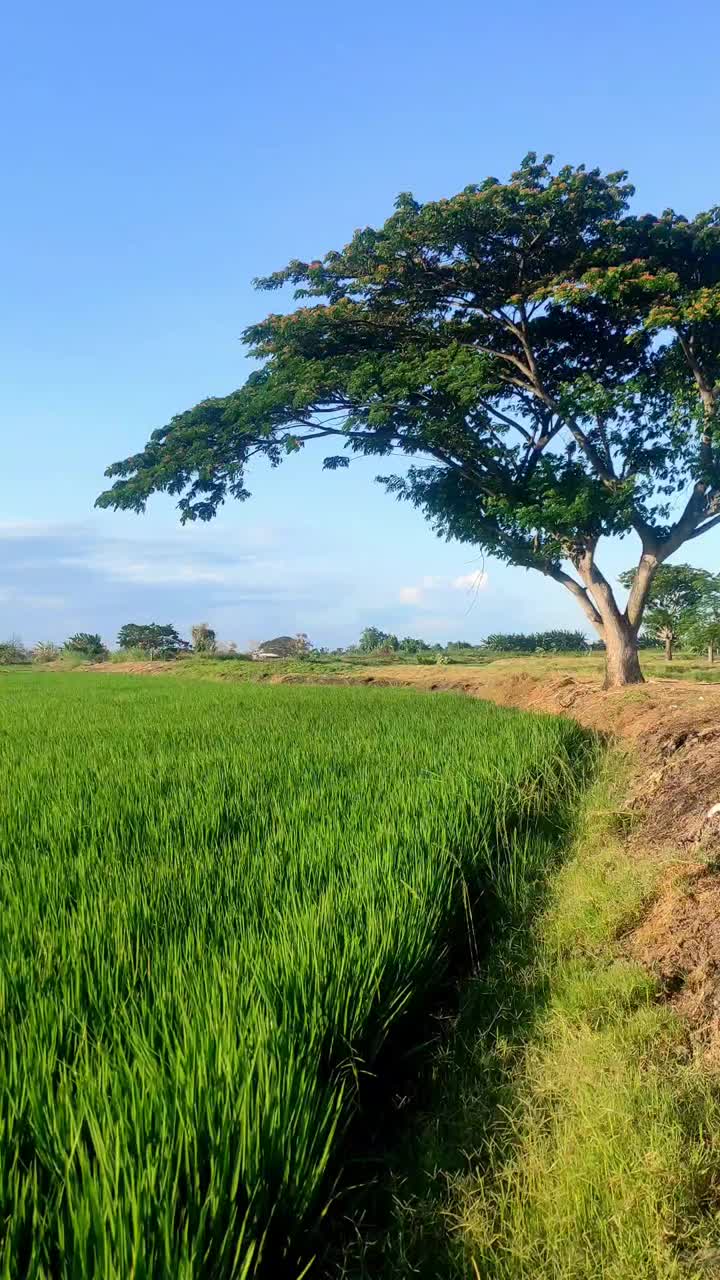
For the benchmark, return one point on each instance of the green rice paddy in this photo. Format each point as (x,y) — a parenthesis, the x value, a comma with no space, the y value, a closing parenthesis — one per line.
(221,908)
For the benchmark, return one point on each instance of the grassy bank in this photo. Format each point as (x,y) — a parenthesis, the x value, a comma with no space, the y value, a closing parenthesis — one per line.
(225,912)
(568,1134)
(241,670)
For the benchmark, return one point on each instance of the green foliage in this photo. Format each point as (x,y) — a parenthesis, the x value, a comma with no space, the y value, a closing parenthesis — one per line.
(204,639)
(285,646)
(46,651)
(550,359)
(676,594)
(701,631)
(702,636)
(189,1020)
(538,642)
(13,652)
(565,1132)
(86,645)
(410,644)
(373,639)
(154,639)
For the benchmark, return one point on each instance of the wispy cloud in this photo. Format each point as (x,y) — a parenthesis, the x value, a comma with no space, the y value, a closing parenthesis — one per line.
(10,596)
(121,566)
(470,581)
(23,529)
(430,584)
(87,579)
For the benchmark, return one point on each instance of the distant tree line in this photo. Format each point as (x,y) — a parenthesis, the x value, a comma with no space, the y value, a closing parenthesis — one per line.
(135,640)
(538,642)
(683,611)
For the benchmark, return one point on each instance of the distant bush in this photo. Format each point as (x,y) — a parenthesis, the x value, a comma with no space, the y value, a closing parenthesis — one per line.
(373,640)
(650,642)
(538,642)
(13,652)
(71,658)
(411,645)
(135,654)
(204,639)
(46,651)
(86,645)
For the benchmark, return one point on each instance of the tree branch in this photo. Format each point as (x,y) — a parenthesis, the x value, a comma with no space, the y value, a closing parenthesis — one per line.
(503,417)
(581,595)
(704,528)
(642,582)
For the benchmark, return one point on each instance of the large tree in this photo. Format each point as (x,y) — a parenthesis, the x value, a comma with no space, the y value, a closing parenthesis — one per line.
(547,362)
(159,639)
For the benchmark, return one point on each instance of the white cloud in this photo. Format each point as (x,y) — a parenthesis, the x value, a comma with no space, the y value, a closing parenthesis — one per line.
(31,529)
(9,596)
(474,581)
(470,581)
(123,569)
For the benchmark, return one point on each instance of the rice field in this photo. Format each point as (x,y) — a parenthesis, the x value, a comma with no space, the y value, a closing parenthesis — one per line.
(220,908)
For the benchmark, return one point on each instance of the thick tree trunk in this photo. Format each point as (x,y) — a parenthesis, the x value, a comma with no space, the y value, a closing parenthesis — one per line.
(622,664)
(668,648)
(711,653)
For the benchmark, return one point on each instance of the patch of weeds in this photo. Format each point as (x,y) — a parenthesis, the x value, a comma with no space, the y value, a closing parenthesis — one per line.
(568,1134)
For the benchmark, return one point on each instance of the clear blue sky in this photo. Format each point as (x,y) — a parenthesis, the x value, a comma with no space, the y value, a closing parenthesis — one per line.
(157,157)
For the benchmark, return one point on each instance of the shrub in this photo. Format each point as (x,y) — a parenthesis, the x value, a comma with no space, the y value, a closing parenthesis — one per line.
(46,651)
(204,639)
(538,642)
(87,645)
(135,654)
(12,651)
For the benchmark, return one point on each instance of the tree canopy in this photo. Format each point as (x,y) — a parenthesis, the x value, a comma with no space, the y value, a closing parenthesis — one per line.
(87,643)
(678,594)
(152,637)
(546,361)
(297,646)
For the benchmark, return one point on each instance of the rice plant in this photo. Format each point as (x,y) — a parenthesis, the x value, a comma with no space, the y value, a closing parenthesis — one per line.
(219,905)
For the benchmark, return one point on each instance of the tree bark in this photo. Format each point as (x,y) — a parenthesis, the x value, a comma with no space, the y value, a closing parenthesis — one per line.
(668,648)
(711,653)
(622,664)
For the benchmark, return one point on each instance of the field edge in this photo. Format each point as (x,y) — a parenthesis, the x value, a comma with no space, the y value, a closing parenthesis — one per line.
(574,1136)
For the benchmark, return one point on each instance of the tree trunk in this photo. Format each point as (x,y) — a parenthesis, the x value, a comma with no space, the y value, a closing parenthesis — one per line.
(622,664)
(668,648)
(711,653)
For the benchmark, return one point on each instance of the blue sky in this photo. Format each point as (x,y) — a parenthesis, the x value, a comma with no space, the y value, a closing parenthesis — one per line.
(157,157)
